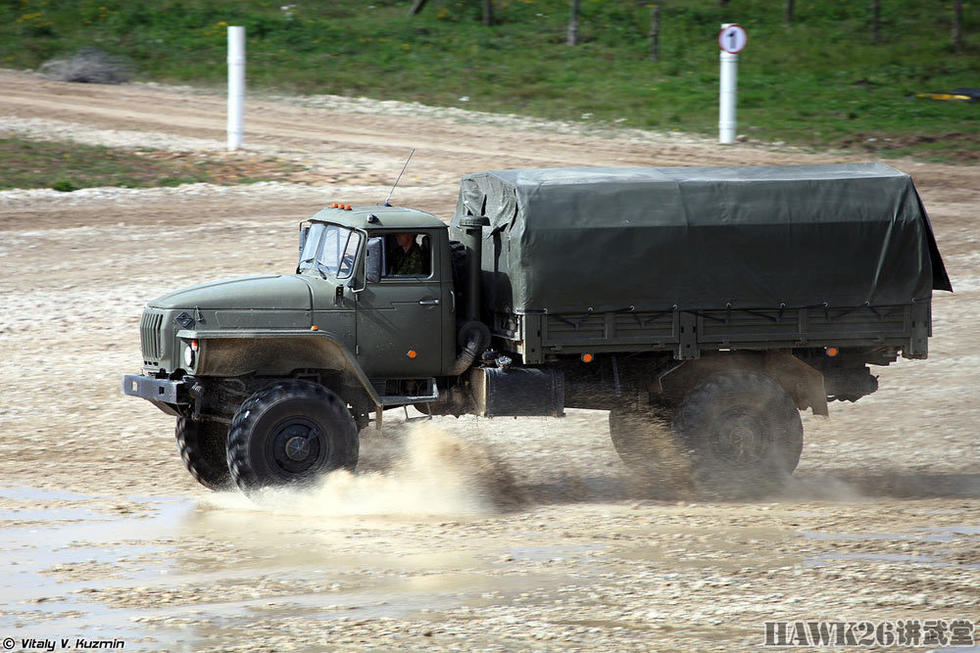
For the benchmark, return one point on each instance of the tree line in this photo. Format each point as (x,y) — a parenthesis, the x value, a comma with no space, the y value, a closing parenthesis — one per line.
(487,17)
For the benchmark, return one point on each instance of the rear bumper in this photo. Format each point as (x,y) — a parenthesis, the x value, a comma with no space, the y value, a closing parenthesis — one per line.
(159,391)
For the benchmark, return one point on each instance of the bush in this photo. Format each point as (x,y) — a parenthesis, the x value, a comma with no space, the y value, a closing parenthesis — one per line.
(64,186)
(88,65)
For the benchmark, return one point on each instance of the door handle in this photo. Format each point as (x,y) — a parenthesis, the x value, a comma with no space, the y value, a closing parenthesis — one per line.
(429,302)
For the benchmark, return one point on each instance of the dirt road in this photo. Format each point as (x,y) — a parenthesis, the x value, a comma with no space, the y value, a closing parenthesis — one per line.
(104,536)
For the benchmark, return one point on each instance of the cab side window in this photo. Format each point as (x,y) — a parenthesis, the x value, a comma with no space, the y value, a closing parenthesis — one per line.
(407,254)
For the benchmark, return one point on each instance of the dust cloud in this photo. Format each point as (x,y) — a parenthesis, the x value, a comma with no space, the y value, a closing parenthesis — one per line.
(432,474)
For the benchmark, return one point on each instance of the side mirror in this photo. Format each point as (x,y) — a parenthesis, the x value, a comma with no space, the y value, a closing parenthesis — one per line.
(372,260)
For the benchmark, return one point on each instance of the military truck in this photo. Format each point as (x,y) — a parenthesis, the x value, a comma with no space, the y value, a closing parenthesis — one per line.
(709,304)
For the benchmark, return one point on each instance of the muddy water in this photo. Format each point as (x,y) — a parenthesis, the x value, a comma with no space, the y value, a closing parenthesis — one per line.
(438,541)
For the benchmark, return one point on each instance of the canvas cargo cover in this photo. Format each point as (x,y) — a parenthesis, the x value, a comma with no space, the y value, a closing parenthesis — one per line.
(606,239)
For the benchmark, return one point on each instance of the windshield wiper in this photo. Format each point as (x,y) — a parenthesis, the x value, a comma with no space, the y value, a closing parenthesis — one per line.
(324,269)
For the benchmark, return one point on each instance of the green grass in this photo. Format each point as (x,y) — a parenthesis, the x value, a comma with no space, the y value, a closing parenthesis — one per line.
(70,166)
(818,82)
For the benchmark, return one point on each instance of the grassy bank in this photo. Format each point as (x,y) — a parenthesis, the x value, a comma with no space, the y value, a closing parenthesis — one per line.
(820,80)
(70,166)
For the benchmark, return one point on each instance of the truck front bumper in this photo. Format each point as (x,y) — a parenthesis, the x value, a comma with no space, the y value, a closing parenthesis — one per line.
(159,391)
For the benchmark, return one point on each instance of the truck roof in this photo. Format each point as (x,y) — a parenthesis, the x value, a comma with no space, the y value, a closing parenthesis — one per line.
(633,176)
(388,217)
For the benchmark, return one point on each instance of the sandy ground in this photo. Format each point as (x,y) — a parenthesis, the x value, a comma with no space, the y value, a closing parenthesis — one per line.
(104,536)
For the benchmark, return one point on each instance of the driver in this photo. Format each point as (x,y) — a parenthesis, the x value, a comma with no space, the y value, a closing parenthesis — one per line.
(407,259)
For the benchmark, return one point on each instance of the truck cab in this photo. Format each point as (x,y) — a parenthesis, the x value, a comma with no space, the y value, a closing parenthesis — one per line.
(398,322)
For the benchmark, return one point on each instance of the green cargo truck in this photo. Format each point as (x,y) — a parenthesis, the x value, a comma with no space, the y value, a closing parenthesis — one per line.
(703,307)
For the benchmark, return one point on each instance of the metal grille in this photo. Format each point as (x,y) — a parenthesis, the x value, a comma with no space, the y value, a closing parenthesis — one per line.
(150,327)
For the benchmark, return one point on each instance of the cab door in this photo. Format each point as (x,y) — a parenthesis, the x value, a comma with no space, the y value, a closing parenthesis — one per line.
(400,317)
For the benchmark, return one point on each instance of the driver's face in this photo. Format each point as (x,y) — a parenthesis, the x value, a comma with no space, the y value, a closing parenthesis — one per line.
(405,240)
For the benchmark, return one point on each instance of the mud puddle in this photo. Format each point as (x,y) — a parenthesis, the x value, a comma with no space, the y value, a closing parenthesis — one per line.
(53,547)
(143,567)
(438,535)
(184,573)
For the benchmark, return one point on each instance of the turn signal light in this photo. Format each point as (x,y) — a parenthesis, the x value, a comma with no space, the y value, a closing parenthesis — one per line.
(832,351)
(195,345)
(412,353)
(314,328)
(335,206)
(587,358)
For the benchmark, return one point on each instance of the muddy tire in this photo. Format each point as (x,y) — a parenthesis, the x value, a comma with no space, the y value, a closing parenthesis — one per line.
(289,433)
(648,448)
(202,448)
(742,432)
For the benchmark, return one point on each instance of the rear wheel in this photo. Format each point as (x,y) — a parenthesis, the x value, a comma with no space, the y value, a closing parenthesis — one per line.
(742,431)
(290,433)
(646,445)
(202,448)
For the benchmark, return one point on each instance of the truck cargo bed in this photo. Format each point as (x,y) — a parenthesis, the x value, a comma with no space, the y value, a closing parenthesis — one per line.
(688,333)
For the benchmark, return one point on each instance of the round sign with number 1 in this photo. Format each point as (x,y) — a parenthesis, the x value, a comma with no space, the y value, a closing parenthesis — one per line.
(732,39)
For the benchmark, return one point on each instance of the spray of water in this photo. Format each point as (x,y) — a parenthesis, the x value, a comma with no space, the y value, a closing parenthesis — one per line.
(435,474)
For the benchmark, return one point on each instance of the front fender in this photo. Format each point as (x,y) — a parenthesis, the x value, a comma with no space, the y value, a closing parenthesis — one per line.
(274,353)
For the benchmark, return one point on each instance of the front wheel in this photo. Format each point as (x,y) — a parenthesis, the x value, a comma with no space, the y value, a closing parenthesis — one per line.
(290,433)
(202,448)
(742,431)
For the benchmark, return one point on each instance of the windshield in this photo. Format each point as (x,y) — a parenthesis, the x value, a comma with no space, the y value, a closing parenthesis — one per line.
(331,249)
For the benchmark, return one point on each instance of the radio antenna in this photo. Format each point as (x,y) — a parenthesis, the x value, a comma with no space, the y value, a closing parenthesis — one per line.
(399,177)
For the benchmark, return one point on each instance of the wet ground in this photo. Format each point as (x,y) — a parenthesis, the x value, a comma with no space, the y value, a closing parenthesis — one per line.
(418,550)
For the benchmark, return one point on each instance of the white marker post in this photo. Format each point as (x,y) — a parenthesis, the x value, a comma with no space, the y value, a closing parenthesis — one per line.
(731,39)
(236,87)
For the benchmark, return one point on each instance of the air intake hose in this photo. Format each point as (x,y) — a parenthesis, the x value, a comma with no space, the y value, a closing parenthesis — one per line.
(476,336)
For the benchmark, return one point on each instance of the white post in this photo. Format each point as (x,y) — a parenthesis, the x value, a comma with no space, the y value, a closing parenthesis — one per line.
(726,96)
(236,87)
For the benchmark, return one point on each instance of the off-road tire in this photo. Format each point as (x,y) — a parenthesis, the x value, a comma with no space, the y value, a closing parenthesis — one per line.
(743,434)
(201,444)
(647,446)
(289,433)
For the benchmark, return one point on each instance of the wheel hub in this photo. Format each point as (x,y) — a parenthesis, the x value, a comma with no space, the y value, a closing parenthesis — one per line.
(744,443)
(742,440)
(298,448)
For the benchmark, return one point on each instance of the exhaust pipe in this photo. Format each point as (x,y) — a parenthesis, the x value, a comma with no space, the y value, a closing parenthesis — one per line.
(474,333)
(472,226)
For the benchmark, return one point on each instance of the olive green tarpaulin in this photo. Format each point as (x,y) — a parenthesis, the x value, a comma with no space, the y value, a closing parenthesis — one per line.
(606,239)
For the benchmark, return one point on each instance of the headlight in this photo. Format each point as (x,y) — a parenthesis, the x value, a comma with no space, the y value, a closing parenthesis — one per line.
(188,357)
